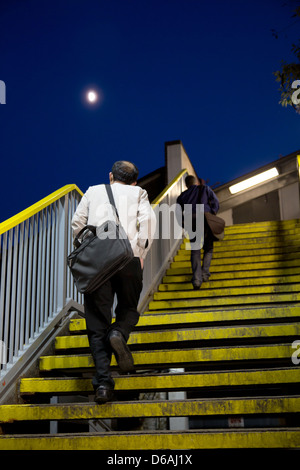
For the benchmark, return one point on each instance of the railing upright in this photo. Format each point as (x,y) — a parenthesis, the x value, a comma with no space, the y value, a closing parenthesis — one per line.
(35,284)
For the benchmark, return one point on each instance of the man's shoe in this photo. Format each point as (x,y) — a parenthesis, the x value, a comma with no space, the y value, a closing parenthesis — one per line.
(121,350)
(103,394)
(197,285)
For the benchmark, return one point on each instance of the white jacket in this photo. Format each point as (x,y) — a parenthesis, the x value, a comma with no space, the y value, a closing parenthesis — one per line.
(136,214)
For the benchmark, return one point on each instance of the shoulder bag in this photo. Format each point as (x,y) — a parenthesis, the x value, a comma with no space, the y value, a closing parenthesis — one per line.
(100,252)
(215,223)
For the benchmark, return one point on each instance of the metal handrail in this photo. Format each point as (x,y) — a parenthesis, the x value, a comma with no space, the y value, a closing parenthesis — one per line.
(35,285)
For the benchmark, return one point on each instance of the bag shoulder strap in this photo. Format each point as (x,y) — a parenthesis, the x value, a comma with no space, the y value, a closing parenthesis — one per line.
(111,199)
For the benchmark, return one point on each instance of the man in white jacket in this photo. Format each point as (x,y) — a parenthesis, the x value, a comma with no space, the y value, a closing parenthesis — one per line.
(139,222)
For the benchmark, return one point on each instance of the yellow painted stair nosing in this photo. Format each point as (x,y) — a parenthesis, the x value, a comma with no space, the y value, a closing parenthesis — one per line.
(168,381)
(146,408)
(220,255)
(238,300)
(181,356)
(244,260)
(192,334)
(246,282)
(247,290)
(158,440)
(251,244)
(150,319)
(236,275)
(185,267)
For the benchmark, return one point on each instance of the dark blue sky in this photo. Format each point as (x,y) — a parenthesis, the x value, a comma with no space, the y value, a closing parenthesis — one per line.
(194,70)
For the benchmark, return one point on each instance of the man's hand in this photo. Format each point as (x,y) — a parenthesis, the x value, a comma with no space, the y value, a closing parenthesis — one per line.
(142,263)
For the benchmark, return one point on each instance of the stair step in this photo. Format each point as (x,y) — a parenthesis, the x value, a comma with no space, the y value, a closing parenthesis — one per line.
(268,225)
(167,357)
(242,253)
(156,440)
(147,320)
(254,299)
(261,332)
(185,267)
(258,274)
(257,235)
(154,408)
(226,288)
(244,260)
(229,291)
(229,283)
(250,243)
(259,231)
(165,381)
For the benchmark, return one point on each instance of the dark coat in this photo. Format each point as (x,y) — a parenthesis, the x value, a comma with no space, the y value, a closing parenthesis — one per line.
(191,196)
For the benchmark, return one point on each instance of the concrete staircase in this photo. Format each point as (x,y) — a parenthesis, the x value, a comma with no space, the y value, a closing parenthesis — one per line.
(224,358)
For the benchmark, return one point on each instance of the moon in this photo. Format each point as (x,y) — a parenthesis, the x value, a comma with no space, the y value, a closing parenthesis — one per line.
(92,96)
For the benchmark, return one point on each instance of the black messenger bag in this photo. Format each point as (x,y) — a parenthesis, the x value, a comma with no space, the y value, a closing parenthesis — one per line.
(100,252)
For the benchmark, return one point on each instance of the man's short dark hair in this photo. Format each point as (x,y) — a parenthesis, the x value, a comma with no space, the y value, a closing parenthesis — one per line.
(190,180)
(124,171)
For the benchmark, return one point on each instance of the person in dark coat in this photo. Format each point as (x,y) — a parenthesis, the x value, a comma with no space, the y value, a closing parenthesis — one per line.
(200,194)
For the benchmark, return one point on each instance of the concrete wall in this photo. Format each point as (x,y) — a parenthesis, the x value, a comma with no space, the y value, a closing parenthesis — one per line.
(277,199)
(176,159)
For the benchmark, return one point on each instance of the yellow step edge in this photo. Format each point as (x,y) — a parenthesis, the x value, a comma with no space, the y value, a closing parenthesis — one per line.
(213,284)
(158,440)
(259,228)
(146,319)
(162,305)
(218,255)
(185,268)
(241,261)
(258,234)
(183,356)
(247,290)
(192,334)
(146,408)
(251,244)
(259,231)
(166,382)
(272,224)
(236,275)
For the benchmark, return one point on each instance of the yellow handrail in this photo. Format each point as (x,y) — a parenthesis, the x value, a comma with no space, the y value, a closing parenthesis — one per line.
(38,206)
(160,197)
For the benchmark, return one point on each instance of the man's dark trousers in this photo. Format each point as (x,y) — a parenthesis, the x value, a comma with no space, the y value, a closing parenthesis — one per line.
(127,285)
(202,273)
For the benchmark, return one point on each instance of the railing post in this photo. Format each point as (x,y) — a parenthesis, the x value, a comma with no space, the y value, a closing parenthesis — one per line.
(62,241)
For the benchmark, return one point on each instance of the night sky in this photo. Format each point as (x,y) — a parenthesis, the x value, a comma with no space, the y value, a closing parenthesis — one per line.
(194,70)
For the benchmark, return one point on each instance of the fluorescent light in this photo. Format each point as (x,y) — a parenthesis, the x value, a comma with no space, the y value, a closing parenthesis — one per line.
(248,183)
